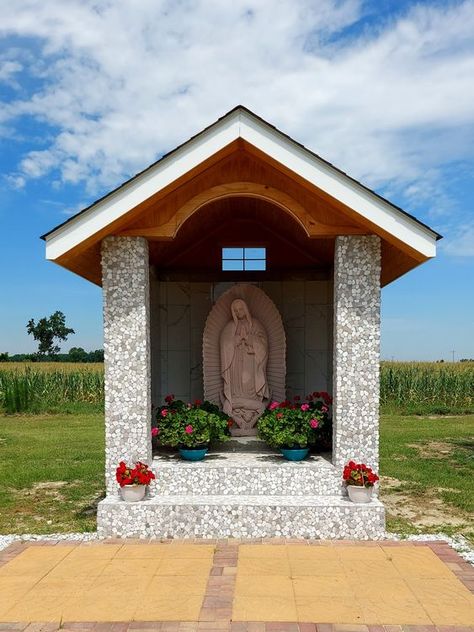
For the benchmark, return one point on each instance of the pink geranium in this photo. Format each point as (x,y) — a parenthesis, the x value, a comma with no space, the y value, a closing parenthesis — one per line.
(188,429)
(314,423)
(164,412)
(304,407)
(155,431)
(273,405)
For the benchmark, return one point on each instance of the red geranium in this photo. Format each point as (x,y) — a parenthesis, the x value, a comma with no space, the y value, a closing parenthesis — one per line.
(359,474)
(138,475)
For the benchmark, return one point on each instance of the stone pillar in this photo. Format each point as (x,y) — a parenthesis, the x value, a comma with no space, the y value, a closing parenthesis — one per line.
(126,292)
(356,356)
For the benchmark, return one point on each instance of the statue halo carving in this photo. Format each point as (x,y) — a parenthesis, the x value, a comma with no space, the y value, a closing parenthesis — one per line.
(244,355)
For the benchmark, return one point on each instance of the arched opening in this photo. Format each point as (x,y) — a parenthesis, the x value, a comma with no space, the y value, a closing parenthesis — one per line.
(246,221)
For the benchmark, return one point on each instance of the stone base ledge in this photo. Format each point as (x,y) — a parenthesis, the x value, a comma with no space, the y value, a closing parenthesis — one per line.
(314,517)
(252,474)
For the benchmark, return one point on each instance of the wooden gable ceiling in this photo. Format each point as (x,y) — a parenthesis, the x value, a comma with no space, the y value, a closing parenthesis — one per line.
(241,194)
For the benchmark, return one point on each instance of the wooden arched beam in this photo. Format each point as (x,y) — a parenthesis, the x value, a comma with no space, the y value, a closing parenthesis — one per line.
(312,228)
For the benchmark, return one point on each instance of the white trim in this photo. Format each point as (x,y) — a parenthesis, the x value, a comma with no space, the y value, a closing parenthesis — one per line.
(268,140)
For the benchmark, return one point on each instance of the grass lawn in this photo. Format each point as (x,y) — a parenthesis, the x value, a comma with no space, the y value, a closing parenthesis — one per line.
(52,468)
(52,472)
(427,468)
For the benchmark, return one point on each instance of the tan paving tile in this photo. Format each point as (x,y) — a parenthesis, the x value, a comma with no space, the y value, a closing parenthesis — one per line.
(326,568)
(263,551)
(373,570)
(178,566)
(20,567)
(166,586)
(46,552)
(127,566)
(95,551)
(456,613)
(11,586)
(75,568)
(417,562)
(49,587)
(446,601)
(264,609)
(328,609)
(313,553)
(36,609)
(264,586)
(181,607)
(110,607)
(314,587)
(138,551)
(360,553)
(264,566)
(393,611)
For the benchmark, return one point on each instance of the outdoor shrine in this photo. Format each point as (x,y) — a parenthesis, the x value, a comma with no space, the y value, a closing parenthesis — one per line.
(241,268)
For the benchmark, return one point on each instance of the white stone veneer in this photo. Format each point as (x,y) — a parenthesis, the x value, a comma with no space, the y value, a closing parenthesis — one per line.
(200,516)
(125,283)
(356,350)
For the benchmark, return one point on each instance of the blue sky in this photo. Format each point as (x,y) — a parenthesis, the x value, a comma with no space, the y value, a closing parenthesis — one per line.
(93,91)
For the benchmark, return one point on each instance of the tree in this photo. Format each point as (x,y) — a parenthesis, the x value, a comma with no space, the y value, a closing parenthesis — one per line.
(46,330)
(4,356)
(77,354)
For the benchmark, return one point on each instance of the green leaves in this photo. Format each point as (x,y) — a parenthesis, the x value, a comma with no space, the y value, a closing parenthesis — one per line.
(191,425)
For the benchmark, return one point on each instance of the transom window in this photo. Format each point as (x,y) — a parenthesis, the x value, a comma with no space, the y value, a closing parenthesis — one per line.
(246,259)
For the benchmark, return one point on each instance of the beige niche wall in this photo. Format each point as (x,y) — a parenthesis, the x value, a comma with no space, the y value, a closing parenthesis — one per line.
(178,312)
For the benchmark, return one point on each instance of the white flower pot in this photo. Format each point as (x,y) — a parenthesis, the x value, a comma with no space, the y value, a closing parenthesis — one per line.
(360,494)
(132,493)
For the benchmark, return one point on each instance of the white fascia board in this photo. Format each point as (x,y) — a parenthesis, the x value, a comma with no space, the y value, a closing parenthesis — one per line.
(337,185)
(190,155)
(268,140)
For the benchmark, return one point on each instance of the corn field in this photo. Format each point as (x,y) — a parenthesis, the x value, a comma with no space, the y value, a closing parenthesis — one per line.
(27,389)
(409,386)
(413,385)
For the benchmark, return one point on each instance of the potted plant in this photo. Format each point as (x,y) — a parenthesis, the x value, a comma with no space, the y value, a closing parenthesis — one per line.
(133,481)
(292,426)
(360,481)
(190,427)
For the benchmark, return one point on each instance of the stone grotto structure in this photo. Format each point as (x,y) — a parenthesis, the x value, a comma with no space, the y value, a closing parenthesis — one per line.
(241,234)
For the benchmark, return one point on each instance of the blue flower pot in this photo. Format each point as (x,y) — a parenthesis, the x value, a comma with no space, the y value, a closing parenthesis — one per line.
(193,454)
(294,454)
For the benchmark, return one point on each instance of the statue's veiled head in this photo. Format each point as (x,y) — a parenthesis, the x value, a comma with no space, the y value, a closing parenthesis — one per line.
(240,311)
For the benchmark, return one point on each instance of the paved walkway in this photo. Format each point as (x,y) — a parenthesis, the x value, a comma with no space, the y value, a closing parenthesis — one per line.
(117,586)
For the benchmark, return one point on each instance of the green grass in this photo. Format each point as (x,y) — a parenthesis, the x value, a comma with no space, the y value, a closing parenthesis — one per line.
(433,461)
(52,470)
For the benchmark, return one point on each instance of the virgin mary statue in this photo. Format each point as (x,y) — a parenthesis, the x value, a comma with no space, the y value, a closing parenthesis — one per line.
(244,355)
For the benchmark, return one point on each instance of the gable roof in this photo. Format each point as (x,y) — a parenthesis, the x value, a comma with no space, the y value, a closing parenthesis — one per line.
(240,122)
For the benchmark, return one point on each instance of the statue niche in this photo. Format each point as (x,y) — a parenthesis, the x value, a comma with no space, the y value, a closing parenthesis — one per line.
(244,355)
(244,352)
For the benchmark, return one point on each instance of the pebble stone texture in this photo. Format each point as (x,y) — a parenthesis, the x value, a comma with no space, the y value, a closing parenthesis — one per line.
(244,495)
(200,516)
(241,495)
(125,284)
(356,350)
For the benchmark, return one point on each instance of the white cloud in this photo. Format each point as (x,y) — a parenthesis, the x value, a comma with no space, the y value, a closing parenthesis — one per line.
(461,242)
(8,69)
(122,82)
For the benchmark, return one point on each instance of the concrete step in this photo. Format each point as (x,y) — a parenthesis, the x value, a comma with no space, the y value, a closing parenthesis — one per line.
(257,472)
(239,516)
